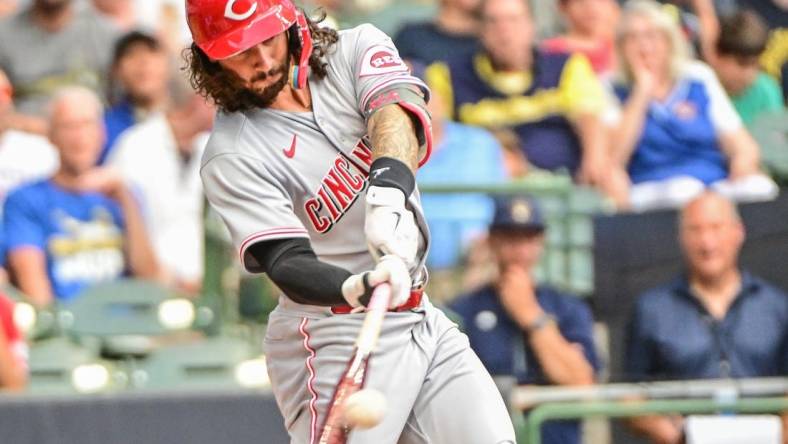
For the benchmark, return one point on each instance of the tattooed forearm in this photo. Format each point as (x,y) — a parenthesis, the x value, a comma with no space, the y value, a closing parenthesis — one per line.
(393,134)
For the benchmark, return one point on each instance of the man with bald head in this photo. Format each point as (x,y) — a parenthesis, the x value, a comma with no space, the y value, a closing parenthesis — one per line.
(714,321)
(80,226)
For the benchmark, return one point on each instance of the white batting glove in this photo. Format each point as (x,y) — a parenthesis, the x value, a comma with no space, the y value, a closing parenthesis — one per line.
(389,226)
(357,289)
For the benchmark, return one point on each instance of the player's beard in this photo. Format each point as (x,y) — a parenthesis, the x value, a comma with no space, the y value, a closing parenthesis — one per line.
(263,98)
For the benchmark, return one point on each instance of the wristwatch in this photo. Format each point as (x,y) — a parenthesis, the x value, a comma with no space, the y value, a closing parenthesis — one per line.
(540,322)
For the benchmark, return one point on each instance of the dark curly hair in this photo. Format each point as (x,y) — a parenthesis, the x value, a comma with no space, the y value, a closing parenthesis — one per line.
(227,90)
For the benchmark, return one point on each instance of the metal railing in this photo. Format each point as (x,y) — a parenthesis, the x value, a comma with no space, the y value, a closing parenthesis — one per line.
(545,184)
(757,395)
(567,209)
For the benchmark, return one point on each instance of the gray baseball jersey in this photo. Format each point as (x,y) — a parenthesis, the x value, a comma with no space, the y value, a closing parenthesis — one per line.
(273,174)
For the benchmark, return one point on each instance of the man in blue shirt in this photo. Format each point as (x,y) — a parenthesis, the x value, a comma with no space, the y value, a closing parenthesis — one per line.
(716,321)
(140,77)
(532,332)
(80,226)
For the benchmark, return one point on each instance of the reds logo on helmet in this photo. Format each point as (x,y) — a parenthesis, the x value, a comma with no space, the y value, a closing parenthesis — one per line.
(384,59)
(246,6)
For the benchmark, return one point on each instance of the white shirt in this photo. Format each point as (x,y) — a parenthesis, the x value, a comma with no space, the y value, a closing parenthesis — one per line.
(170,192)
(24,157)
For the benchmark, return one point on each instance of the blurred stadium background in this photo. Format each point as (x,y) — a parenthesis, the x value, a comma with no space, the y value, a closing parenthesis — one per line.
(138,361)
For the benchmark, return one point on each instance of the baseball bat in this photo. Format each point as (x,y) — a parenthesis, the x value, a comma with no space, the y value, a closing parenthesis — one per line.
(335,429)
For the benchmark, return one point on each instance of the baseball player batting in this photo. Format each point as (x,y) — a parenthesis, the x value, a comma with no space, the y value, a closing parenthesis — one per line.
(311,166)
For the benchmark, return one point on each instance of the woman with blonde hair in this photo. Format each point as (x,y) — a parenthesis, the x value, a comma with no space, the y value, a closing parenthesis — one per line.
(676,132)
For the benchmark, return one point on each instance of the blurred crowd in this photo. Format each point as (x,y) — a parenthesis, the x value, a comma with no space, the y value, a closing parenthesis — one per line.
(652,104)
(100,140)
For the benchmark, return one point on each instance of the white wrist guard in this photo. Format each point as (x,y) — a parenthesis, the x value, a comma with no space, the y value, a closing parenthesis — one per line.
(389,226)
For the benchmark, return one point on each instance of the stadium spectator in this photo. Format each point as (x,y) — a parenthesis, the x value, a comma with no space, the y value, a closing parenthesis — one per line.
(741,42)
(590,31)
(164,19)
(453,31)
(80,226)
(138,86)
(736,44)
(23,156)
(160,160)
(707,30)
(167,18)
(460,154)
(121,13)
(13,350)
(8,7)
(552,101)
(775,56)
(529,331)
(689,16)
(732,323)
(52,44)
(677,131)
(775,12)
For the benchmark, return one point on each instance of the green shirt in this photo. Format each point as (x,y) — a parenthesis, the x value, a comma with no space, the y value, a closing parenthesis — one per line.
(763,95)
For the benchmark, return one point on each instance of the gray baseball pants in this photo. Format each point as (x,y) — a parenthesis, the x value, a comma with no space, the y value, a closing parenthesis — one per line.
(436,388)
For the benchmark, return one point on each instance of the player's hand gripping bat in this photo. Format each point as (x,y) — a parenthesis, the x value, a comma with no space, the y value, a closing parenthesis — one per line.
(336,428)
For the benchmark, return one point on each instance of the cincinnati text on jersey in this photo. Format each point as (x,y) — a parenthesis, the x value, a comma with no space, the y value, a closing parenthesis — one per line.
(339,188)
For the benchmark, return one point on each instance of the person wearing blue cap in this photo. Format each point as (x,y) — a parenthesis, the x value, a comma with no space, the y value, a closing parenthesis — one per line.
(522,329)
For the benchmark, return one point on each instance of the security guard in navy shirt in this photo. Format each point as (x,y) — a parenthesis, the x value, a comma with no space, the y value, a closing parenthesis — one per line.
(522,329)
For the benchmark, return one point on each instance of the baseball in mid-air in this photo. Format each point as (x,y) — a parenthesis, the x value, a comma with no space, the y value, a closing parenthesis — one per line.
(365,408)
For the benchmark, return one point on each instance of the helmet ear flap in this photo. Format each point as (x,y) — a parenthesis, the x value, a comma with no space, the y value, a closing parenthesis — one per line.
(300,31)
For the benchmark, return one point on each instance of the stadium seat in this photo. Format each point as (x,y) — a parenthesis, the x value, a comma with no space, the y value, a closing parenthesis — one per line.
(126,315)
(33,323)
(58,365)
(213,363)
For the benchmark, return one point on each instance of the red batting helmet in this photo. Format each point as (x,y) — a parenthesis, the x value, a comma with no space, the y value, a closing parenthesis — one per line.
(223,28)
